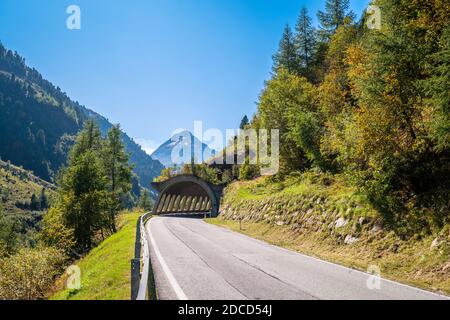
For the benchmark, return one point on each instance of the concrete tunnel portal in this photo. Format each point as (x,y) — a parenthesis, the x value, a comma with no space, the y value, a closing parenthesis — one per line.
(187,194)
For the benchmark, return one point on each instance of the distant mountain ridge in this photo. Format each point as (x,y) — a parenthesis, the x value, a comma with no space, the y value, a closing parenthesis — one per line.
(39,122)
(177,145)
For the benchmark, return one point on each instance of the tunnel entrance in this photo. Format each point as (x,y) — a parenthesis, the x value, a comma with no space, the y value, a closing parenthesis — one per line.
(187,194)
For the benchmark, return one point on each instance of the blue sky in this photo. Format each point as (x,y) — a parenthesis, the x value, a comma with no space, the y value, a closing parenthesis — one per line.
(155,66)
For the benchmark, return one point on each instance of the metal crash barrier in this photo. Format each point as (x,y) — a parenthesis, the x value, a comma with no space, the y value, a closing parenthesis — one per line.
(140,265)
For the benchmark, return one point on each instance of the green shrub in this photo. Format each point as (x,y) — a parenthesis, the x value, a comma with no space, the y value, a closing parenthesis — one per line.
(29,274)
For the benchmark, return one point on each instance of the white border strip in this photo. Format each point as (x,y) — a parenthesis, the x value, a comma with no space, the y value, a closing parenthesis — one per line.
(173,282)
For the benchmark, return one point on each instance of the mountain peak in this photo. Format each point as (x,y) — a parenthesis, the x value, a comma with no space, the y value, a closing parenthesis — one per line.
(181,148)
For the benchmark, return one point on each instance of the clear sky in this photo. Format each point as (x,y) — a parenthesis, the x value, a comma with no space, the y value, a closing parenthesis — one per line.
(155,66)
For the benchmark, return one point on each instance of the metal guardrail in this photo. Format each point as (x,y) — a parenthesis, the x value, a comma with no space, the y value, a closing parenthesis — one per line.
(140,265)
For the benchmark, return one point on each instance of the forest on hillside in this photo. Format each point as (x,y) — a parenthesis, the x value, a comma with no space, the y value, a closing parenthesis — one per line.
(370,105)
(91,192)
(39,123)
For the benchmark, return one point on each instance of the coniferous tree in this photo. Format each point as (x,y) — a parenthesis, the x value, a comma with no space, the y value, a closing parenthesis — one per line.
(83,186)
(437,88)
(43,200)
(89,139)
(305,42)
(390,129)
(244,123)
(335,15)
(35,204)
(118,171)
(286,57)
(8,233)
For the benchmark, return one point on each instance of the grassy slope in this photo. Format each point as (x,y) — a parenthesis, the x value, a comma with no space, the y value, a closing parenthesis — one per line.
(296,219)
(18,185)
(105,271)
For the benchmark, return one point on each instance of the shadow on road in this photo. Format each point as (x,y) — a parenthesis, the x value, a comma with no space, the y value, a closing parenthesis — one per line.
(186,215)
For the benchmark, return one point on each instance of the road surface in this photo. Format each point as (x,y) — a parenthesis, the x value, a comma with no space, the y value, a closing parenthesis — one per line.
(193,260)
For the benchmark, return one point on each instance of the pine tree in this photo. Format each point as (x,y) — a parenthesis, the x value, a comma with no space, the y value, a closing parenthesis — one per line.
(337,12)
(244,123)
(286,57)
(305,42)
(118,171)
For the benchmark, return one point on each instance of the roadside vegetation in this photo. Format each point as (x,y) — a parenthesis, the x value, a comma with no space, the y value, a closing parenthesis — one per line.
(365,106)
(24,199)
(29,273)
(91,192)
(105,271)
(368,104)
(364,122)
(322,216)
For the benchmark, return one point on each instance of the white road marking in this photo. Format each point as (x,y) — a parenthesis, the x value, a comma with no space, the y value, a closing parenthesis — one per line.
(329,262)
(173,282)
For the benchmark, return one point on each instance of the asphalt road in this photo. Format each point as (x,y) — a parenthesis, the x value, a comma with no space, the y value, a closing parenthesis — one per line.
(193,260)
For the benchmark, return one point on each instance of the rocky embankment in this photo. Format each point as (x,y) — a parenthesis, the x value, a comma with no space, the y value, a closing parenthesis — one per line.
(344,222)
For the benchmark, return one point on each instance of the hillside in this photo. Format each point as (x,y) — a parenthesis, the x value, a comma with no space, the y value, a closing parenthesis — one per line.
(38,123)
(177,145)
(146,167)
(17,187)
(105,271)
(322,216)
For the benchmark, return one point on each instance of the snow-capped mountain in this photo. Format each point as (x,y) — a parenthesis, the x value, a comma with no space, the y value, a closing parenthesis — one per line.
(181,149)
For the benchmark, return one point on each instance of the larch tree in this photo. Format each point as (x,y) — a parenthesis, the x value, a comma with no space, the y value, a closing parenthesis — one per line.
(398,98)
(82,191)
(118,171)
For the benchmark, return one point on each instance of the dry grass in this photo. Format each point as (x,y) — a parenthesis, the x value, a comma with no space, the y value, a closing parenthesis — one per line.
(14,188)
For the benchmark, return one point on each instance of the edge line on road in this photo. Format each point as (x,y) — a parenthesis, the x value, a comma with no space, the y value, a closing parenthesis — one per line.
(170,277)
(440,295)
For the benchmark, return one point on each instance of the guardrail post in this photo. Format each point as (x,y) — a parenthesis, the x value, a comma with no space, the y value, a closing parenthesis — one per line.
(135,277)
(137,245)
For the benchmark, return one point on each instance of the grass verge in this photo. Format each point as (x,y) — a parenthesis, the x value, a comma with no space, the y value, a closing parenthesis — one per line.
(105,271)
